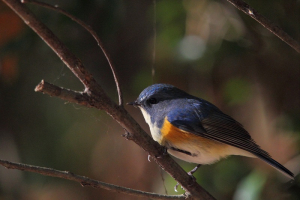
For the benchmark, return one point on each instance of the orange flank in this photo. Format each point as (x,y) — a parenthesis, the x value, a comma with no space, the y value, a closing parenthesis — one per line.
(184,140)
(175,135)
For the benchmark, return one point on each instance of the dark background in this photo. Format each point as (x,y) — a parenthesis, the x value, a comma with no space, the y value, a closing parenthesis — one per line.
(208,48)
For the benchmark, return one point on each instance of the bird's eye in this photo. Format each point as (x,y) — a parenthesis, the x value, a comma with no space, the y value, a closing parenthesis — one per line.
(152,101)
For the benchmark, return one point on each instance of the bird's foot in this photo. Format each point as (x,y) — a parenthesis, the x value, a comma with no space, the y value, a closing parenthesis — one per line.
(190,173)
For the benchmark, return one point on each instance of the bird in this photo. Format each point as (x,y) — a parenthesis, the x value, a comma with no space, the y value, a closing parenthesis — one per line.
(194,130)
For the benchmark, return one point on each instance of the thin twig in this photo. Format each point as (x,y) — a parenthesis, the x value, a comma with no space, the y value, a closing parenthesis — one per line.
(92,32)
(71,96)
(85,181)
(276,30)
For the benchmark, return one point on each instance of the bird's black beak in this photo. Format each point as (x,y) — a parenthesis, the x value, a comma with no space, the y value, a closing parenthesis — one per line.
(134,103)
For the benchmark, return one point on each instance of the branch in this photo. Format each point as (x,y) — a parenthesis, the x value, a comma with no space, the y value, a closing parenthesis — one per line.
(92,32)
(98,98)
(276,30)
(65,94)
(85,181)
(70,60)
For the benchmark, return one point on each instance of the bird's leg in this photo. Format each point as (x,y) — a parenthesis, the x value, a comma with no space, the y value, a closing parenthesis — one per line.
(194,170)
(190,173)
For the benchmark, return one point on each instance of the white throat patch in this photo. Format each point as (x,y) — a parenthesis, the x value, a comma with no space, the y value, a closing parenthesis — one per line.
(155,131)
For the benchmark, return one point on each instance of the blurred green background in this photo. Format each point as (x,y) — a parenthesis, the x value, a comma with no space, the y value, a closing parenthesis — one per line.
(207,47)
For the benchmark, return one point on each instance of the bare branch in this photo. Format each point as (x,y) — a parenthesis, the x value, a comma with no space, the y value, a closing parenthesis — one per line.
(65,94)
(85,181)
(92,32)
(276,30)
(98,98)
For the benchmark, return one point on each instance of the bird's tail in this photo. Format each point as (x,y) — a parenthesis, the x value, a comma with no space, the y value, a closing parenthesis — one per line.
(276,165)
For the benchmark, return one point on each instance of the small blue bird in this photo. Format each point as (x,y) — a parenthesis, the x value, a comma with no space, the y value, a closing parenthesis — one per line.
(195,130)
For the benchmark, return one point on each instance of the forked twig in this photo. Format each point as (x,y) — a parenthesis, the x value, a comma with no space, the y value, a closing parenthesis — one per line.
(98,98)
(92,32)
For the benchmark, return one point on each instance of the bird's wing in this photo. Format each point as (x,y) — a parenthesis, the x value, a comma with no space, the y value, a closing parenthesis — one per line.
(205,120)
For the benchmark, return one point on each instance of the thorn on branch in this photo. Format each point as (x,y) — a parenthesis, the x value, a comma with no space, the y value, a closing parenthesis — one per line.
(127,135)
(71,173)
(250,12)
(83,184)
